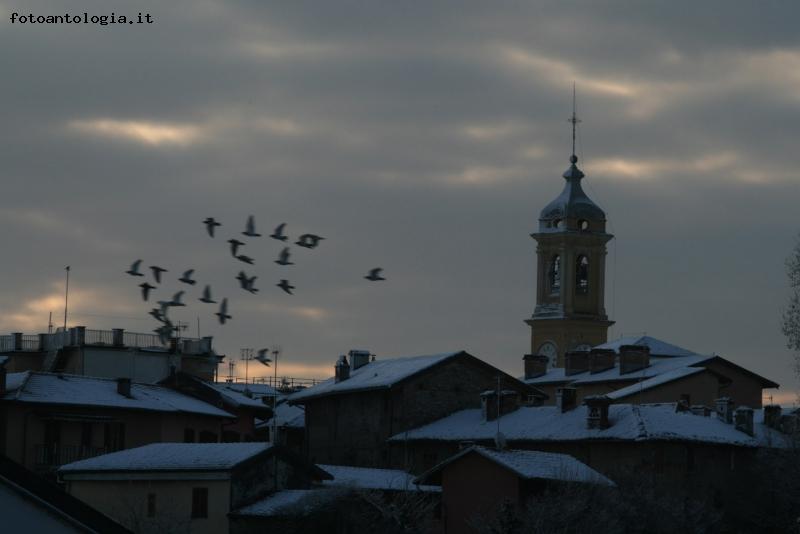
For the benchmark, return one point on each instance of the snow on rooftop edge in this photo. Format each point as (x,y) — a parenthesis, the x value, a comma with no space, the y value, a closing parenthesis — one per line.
(372,478)
(544,465)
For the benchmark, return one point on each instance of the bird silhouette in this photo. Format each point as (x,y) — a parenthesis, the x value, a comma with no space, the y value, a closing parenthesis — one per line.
(375,274)
(284,284)
(278,233)
(164,333)
(235,244)
(242,278)
(263,357)
(157,315)
(157,272)
(134,270)
(210,224)
(250,228)
(246,259)
(176,299)
(146,290)
(222,314)
(187,278)
(250,285)
(309,240)
(207,296)
(283,259)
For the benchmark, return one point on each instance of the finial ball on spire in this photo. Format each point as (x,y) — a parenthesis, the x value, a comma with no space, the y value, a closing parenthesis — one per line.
(573,159)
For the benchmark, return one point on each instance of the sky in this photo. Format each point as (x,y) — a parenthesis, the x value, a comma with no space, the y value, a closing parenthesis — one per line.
(421,137)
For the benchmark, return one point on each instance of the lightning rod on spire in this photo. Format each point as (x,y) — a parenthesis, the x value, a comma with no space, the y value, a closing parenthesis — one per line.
(574,119)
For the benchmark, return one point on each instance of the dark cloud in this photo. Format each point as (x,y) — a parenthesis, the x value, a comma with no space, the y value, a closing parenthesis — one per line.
(421,137)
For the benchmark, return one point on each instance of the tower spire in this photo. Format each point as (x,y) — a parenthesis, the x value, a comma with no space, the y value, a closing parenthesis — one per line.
(574,120)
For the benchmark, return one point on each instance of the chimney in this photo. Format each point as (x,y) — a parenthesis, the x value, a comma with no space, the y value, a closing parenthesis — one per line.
(597,411)
(80,336)
(601,360)
(566,398)
(117,335)
(772,415)
(684,403)
(725,409)
(341,369)
(576,361)
(744,419)
(359,358)
(17,336)
(535,365)
(633,358)
(124,387)
(699,409)
(489,404)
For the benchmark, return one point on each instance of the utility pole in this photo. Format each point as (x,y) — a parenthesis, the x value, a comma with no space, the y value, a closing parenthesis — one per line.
(66,298)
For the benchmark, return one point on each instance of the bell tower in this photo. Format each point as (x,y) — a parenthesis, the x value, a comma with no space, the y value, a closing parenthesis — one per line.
(570,284)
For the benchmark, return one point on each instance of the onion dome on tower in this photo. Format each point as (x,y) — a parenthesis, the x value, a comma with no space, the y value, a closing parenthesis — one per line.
(572,210)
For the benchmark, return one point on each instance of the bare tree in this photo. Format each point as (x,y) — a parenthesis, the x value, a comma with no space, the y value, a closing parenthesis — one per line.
(791,315)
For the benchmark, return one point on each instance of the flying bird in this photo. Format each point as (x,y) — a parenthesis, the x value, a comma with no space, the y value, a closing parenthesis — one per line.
(309,240)
(283,259)
(250,285)
(176,299)
(375,274)
(242,278)
(157,314)
(263,357)
(246,259)
(210,224)
(223,312)
(250,228)
(134,270)
(278,233)
(187,278)
(284,284)
(164,333)
(146,290)
(157,272)
(207,296)
(235,243)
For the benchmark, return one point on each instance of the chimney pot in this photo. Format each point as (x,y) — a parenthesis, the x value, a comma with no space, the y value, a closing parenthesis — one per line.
(724,407)
(601,360)
(358,358)
(744,419)
(597,411)
(633,358)
(124,387)
(576,361)
(566,398)
(341,369)
(772,415)
(535,365)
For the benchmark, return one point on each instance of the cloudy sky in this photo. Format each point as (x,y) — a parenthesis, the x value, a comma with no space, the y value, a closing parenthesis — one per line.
(423,137)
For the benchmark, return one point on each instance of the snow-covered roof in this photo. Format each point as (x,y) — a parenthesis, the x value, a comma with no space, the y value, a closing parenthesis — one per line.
(258,390)
(657,347)
(236,396)
(288,502)
(288,416)
(629,422)
(657,380)
(657,366)
(532,465)
(374,375)
(171,457)
(49,388)
(369,478)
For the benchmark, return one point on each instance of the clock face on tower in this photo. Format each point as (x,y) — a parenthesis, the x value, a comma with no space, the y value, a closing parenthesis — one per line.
(550,350)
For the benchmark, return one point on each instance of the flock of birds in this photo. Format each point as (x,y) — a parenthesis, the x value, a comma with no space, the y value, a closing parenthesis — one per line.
(247,283)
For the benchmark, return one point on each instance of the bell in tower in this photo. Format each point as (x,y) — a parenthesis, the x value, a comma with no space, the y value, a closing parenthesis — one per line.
(570,287)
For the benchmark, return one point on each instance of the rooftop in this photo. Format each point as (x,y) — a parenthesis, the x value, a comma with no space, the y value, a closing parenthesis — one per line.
(370,478)
(171,457)
(629,422)
(74,390)
(288,502)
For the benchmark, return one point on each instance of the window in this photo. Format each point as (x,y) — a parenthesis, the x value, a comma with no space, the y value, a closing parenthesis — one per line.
(583,224)
(188,435)
(151,505)
(199,503)
(555,275)
(582,275)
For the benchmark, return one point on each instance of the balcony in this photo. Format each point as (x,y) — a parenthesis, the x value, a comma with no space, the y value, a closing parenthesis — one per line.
(55,455)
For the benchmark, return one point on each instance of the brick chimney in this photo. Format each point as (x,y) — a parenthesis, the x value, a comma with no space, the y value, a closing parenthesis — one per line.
(535,365)
(509,401)
(744,419)
(601,360)
(124,387)
(359,358)
(597,411)
(699,409)
(341,369)
(724,407)
(633,358)
(772,415)
(566,398)
(576,361)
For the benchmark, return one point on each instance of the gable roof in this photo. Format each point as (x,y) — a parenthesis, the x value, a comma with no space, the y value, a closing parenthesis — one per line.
(657,347)
(384,374)
(371,478)
(629,422)
(73,390)
(658,380)
(33,488)
(171,457)
(528,465)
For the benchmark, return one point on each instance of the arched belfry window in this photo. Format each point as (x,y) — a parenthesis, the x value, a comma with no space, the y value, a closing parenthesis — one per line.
(582,275)
(555,274)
